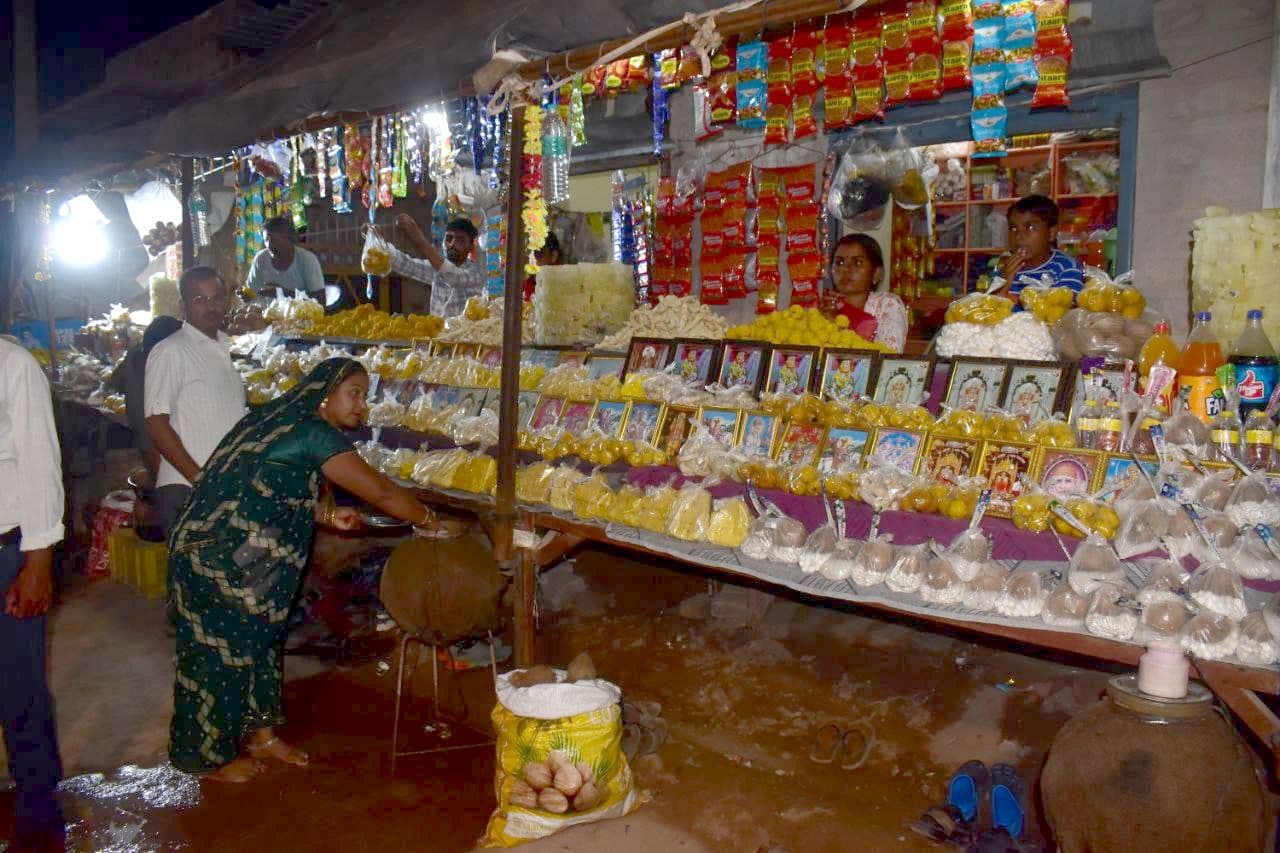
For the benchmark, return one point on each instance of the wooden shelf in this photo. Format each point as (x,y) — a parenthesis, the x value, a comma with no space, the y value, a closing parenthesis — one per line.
(1084,196)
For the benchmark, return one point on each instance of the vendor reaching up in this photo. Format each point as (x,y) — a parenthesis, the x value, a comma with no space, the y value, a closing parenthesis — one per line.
(1033,230)
(856,271)
(454,276)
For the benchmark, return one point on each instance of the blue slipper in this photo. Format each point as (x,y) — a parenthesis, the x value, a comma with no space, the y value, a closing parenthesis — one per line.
(1008,795)
(968,788)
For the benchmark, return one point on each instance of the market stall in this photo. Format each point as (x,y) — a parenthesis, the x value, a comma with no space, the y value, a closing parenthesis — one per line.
(1016,462)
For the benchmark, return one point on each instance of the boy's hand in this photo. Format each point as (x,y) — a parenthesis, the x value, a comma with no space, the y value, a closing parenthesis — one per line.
(1013,264)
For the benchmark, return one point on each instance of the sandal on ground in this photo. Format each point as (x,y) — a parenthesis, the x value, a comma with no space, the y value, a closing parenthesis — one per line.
(944,825)
(998,841)
(280,751)
(1008,800)
(827,742)
(856,750)
(968,789)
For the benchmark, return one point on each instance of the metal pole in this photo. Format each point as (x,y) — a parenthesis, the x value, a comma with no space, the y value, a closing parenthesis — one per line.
(26,109)
(188,236)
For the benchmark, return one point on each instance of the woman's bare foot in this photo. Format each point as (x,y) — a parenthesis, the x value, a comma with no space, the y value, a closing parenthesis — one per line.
(270,746)
(237,771)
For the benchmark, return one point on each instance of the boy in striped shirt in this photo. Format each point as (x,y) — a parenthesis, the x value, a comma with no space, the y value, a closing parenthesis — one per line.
(1033,230)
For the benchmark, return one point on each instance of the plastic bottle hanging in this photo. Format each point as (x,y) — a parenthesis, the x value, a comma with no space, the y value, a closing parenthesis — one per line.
(555,158)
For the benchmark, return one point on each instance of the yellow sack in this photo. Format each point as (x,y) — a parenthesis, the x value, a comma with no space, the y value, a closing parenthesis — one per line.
(559,772)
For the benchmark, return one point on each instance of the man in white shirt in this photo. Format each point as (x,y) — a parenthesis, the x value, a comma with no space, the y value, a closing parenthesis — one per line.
(194,394)
(454,276)
(31,502)
(283,265)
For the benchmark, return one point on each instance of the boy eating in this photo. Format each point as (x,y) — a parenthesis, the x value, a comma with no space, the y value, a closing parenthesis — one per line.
(1033,230)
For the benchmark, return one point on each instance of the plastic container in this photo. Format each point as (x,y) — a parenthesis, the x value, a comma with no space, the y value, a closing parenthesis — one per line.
(1259,439)
(1163,670)
(1201,357)
(1255,363)
(1159,350)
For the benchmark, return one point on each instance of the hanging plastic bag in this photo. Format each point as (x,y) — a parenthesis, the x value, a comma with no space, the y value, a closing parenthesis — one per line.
(1251,557)
(1256,645)
(1143,526)
(1217,588)
(986,588)
(968,552)
(1165,581)
(818,548)
(908,570)
(1065,608)
(942,583)
(375,258)
(1252,502)
(1023,596)
(873,561)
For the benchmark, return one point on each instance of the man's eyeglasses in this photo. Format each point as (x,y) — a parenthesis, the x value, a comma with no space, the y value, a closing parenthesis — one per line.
(215,300)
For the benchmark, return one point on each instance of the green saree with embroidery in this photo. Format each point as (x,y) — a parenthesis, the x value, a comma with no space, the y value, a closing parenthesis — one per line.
(237,555)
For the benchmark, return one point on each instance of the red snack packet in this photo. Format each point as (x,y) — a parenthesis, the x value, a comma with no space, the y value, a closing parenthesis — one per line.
(926,61)
(802,228)
(615,75)
(957,64)
(688,66)
(593,81)
(868,100)
(798,181)
(669,68)
(768,281)
(713,283)
(837,60)
(805,271)
(868,68)
(837,104)
(637,76)
(733,274)
(895,45)
(1053,52)
(804,61)
(804,122)
(733,225)
(777,118)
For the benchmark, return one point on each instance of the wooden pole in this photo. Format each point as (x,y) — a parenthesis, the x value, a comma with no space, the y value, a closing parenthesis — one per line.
(509,559)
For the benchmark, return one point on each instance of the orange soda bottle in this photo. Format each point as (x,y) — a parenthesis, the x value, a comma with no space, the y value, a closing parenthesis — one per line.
(1201,358)
(1159,351)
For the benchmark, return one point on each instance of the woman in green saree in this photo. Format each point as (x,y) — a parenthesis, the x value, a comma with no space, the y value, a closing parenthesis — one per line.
(237,556)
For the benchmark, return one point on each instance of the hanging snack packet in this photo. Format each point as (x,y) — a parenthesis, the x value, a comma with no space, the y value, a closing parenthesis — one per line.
(868,69)
(778,92)
(799,181)
(768,281)
(989,115)
(805,271)
(713,282)
(837,98)
(957,43)
(1052,54)
(926,61)
(688,66)
(753,63)
(896,52)
(1019,44)
(804,61)
(802,228)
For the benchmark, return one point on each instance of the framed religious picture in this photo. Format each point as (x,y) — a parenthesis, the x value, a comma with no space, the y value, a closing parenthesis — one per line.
(572,356)
(576,416)
(791,369)
(492,399)
(643,420)
(897,447)
(1036,390)
(1002,466)
(742,364)
(695,360)
(800,444)
(759,432)
(1069,472)
(539,357)
(847,374)
(949,458)
(677,424)
(446,396)
(608,417)
(600,365)
(722,424)
(843,449)
(526,402)
(491,357)
(648,354)
(903,379)
(1107,386)
(1119,472)
(975,384)
(546,413)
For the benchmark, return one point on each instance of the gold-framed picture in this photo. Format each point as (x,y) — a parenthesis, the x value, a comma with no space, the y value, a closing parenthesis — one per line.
(975,384)
(843,450)
(759,434)
(721,423)
(948,458)
(609,417)
(900,448)
(644,419)
(576,415)
(903,379)
(1002,465)
(677,425)
(847,374)
(800,444)
(1070,472)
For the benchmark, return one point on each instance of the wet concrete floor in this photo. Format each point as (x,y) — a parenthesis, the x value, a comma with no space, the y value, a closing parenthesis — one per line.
(745,680)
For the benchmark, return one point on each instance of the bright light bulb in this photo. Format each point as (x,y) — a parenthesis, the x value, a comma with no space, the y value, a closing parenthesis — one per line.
(79,243)
(78,238)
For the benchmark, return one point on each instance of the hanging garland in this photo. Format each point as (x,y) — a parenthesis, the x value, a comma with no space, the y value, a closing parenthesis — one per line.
(534,212)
